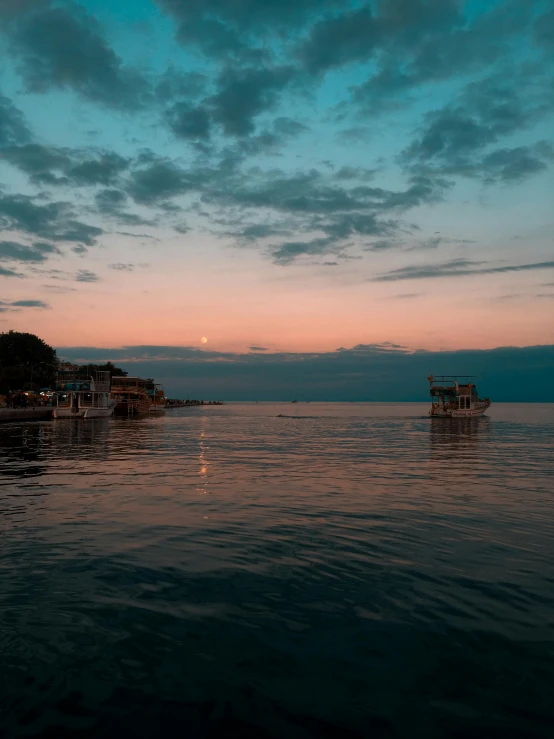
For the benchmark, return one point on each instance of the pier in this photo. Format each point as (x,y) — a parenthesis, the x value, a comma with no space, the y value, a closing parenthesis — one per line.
(25,414)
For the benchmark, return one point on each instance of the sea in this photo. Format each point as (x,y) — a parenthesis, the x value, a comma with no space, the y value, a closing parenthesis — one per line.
(287,570)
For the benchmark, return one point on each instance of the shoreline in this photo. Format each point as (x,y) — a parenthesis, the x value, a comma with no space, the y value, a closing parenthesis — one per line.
(25,414)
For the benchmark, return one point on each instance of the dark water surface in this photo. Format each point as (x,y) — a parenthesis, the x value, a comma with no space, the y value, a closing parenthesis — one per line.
(344,571)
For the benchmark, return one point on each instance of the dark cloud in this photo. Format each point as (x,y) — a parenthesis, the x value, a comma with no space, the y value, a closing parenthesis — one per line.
(13,129)
(175,84)
(355,173)
(85,275)
(64,48)
(103,169)
(56,166)
(382,245)
(287,252)
(333,42)
(161,179)
(244,93)
(247,16)
(544,30)
(258,348)
(514,165)
(456,268)
(423,41)
(310,202)
(29,304)
(5,272)
(378,372)
(120,267)
(457,139)
(15,305)
(60,289)
(215,39)
(112,203)
(189,122)
(43,164)
(11,251)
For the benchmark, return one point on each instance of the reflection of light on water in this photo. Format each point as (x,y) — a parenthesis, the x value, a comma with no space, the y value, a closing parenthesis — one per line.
(203,488)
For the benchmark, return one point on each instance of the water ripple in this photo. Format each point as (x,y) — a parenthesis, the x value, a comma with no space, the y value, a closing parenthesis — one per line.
(245,570)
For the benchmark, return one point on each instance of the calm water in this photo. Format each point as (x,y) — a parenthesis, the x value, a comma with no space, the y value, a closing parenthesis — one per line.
(343,571)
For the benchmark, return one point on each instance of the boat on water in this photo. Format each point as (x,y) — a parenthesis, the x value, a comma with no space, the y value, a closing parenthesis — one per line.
(78,396)
(156,393)
(455,397)
(131,395)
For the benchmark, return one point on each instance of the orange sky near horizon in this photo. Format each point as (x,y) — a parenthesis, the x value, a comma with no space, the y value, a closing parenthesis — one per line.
(298,311)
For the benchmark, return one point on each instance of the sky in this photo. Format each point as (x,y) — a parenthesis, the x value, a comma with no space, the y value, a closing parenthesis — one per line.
(289,179)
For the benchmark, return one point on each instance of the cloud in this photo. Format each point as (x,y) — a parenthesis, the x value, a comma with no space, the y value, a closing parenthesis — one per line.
(379,372)
(258,348)
(248,16)
(85,275)
(353,36)
(61,48)
(428,41)
(57,166)
(313,205)
(516,164)
(382,245)
(456,268)
(11,251)
(189,122)
(244,93)
(13,129)
(544,30)
(5,272)
(457,138)
(6,306)
(29,304)
(111,203)
(120,267)
(53,221)
(161,179)
(289,251)
(59,289)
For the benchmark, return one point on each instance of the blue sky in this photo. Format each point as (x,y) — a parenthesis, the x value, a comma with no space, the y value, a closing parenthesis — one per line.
(301,175)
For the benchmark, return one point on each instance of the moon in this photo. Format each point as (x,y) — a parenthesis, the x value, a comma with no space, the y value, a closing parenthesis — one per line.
(204,340)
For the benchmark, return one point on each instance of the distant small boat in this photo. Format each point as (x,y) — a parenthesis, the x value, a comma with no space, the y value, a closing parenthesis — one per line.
(451,398)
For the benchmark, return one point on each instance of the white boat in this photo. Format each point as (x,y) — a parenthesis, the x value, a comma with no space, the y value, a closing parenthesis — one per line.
(452,398)
(83,397)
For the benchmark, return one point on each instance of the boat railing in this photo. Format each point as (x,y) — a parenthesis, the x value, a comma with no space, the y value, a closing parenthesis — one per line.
(102,382)
(97,401)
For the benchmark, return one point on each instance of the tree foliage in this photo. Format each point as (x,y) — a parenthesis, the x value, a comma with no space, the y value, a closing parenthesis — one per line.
(114,371)
(26,362)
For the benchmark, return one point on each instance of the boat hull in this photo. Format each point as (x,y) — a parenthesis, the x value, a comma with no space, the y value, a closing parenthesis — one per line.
(132,407)
(460,412)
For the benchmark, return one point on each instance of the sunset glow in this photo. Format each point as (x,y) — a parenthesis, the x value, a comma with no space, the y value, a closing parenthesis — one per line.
(285,193)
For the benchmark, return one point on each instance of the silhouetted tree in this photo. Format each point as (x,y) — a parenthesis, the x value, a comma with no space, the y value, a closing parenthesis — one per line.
(26,362)
(114,371)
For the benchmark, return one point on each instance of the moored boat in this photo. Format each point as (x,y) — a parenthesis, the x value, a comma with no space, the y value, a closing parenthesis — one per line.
(156,393)
(452,398)
(131,396)
(77,396)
